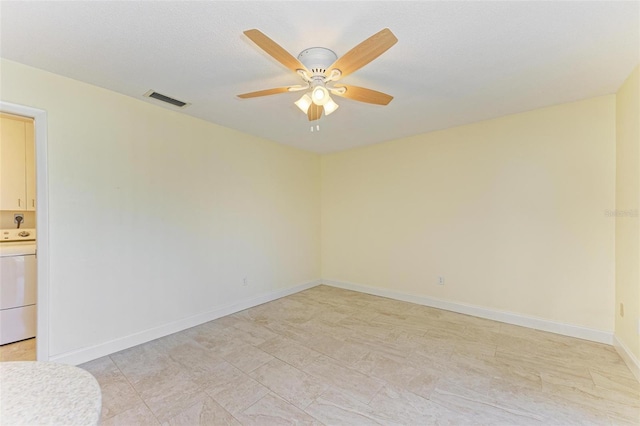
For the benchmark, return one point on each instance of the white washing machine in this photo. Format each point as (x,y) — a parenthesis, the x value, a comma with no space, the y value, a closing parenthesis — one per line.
(18,285)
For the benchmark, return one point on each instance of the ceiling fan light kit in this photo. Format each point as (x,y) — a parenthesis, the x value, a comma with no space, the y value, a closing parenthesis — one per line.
(330,107)
(318,66)
(320,94)
(304,103)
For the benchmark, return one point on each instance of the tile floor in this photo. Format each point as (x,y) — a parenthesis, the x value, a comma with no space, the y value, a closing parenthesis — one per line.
(24,350)
(331,356)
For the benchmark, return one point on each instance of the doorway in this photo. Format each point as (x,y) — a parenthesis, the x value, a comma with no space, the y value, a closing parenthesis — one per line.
(42,221)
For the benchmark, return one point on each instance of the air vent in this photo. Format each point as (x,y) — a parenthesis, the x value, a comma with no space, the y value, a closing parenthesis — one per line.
(166,99)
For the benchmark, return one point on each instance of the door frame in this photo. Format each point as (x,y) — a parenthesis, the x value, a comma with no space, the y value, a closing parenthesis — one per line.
(42,221)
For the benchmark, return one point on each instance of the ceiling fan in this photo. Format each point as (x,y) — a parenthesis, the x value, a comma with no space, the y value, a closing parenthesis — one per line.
(320,68)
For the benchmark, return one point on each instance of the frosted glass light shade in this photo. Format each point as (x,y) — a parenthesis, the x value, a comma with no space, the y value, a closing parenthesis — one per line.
(330,106)
(304,103)
(320,95)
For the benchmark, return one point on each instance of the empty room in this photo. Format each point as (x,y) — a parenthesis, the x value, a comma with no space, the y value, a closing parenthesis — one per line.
(318,212)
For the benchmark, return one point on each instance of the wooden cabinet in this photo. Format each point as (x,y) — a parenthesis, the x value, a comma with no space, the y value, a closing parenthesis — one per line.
(30,166)
(17,163)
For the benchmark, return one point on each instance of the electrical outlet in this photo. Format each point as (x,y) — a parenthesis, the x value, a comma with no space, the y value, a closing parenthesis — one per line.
(440,280)
(621,309)
(245,281)
(18,215)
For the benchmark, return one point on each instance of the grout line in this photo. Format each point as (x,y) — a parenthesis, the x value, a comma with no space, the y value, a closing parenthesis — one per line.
(254,403)
(376,394)
(366,337)
(135,390)
(591,376)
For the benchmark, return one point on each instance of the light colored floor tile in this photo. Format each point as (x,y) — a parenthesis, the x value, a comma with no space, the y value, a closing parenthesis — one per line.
(351,382)
(139,415)
(589,406)
(602,401)
(294,386)
(221,342)
(272,410)
(140,362)
(423,384)
(608,379)
(318,327)
(333,356)
(166,406)
(170,380)
(394,348)
(387,306)
(474,348)
(205,412)
(479,406)
(234,390)
(510,374)
(407,320)
(259,334)
(336,408)
(537,404)
(333,316)
(117,393)
(404,407)
(247,357)
(385,367)
(371,328)
(250,336)
(194,359)
(164,384)
(227,321)
(24,350)
(427,347)
(543,363)
(466,371)
(289,351)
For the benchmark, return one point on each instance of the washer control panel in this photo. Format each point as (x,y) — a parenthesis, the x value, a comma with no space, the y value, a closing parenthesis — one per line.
(27,234)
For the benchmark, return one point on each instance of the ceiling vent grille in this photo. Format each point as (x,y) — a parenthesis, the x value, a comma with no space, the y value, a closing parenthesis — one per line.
(166,99)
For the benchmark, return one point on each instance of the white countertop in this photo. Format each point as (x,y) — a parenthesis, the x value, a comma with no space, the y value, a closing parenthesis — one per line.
(46,393)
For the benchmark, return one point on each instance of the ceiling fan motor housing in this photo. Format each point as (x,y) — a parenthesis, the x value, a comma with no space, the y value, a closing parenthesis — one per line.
(317,59)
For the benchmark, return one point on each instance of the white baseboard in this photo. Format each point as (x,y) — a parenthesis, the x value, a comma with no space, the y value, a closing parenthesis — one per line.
(83,355)
(478,311)
(629,358)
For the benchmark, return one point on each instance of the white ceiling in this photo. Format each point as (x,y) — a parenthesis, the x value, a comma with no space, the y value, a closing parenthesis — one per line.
(454,63)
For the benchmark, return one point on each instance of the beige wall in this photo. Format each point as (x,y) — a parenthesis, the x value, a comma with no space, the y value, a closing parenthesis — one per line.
(510,211)
(627,206)
(156,216)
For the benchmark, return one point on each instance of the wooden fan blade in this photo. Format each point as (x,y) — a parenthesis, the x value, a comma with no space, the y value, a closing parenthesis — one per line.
(364,95)
(275,50)
(315,112)
(266,92)
(364,53)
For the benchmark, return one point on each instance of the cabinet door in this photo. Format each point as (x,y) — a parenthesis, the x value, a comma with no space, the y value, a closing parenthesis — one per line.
(30,157)
(12,164)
